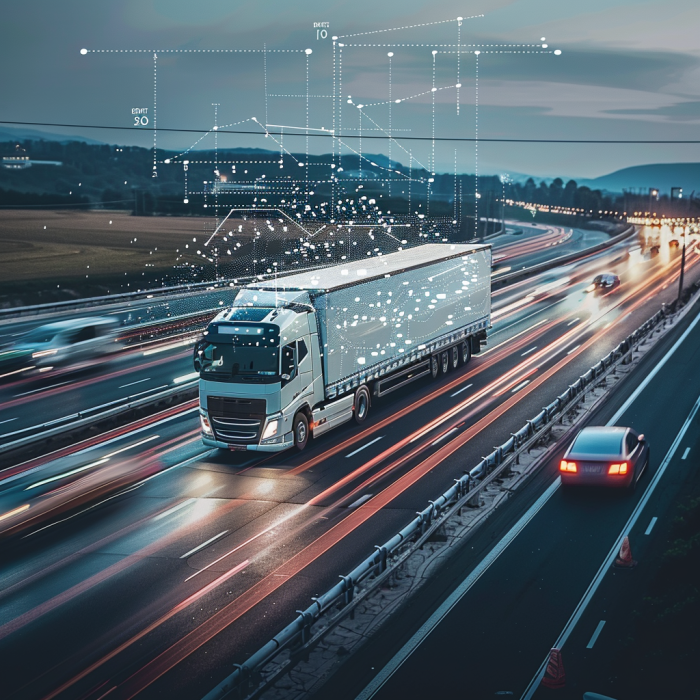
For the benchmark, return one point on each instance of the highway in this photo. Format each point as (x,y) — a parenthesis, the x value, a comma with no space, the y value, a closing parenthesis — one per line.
(206,555)
(150,366)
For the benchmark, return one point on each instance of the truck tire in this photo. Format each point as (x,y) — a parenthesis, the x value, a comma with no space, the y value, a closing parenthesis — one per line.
(361,405)
(301,430)
(454,356)
(465,352)
(445,361)
(434,366)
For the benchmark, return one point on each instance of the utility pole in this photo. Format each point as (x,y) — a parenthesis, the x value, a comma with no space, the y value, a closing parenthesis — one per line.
(680,278)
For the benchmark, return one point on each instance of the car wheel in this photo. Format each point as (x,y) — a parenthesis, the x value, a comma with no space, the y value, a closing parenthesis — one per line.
(455,357)
(444,362)
(434,367)
(466,352)
(361,405)
(301,431)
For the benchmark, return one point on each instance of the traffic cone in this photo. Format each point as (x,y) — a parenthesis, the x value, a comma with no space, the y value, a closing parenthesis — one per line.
(624,558)
(554,676)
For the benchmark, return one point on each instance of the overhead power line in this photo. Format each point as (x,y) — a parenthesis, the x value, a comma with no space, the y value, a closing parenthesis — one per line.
(380,137)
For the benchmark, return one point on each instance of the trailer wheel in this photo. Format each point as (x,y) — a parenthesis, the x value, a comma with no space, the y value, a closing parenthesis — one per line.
(434,366)
(465,352)
(301,430)
(455,357)
(444,361)
(362,403)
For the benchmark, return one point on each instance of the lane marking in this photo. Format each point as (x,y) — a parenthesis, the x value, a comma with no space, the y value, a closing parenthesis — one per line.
(610,558)
(459,391)
(360,501)
(520,386)
(186,378)
(443,436)
(571,323)
(43,388)
(9,420)
(651,525)
(203,545)
(359,449)
(174,509)
(434,620)
(512,337)
(598,630)
(140,381)
(573,350)
(527,352)
(685,454)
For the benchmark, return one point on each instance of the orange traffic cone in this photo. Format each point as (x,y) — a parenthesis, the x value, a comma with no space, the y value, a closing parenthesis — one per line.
(624,558)
(554,676)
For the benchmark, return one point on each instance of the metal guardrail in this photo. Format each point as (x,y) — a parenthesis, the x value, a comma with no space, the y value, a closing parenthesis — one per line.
(300,635)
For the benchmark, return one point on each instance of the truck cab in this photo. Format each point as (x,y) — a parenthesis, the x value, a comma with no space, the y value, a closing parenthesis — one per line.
(260,368)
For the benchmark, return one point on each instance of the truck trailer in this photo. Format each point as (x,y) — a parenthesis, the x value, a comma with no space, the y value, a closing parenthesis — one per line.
(297,356)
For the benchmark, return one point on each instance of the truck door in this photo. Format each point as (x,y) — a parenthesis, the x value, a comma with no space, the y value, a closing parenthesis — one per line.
(305,366)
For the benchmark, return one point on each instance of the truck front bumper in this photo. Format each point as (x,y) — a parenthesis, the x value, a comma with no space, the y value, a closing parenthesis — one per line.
(286,443)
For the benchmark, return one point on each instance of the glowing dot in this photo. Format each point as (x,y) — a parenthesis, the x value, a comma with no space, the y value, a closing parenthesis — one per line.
(83,51)
(308,51)
(390,54)
(544,46)
(335,38)
(186,201)
(398,101)
(557,52)
(543,39)
(434,52)
(458,85)
(459,19)
(434,90)
(215,128)
(360,106)
(477,52)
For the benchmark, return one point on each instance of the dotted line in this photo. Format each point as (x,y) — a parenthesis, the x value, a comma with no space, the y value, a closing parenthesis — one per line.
(192,50)
(267,121)
(476,145)
(411,26)
(155,113)
(412,97)
(438,46)
(325,97)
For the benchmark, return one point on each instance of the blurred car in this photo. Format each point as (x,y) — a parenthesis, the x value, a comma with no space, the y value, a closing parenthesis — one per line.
(604,283)
(605,456)
(70,342)
(13,361)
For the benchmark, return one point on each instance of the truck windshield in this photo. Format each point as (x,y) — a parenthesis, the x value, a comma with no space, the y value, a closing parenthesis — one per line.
(244,352)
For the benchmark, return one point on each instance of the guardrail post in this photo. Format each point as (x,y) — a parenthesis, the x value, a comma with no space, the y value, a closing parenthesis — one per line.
(475,500)
(383,555)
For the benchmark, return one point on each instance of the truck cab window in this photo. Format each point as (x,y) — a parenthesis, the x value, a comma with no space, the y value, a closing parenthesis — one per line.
(302,350)
(289,365)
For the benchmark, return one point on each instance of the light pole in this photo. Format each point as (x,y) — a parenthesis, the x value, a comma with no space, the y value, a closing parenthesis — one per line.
(680,278)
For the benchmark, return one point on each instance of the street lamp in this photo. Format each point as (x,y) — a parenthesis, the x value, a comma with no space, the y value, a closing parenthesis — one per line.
(680,278)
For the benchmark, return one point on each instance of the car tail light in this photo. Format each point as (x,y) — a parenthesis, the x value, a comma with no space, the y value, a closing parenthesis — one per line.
(567,466)
(620,468)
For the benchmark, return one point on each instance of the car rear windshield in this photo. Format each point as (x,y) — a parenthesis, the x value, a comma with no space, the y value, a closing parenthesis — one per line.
(594,443)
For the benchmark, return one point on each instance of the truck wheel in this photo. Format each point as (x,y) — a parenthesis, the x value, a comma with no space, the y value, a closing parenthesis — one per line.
(301,431)
(466,352)
(361,406)
(434,366)
(444,362)
(455,357)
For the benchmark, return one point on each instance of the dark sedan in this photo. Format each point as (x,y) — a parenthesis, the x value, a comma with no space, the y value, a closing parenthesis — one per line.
(605,456)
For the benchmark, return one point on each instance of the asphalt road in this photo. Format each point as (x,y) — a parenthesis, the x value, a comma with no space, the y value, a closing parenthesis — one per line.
(158,591)
(490,635)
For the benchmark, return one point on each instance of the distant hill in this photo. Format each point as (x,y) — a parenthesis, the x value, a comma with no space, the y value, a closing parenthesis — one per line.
(11,134)
(662,176)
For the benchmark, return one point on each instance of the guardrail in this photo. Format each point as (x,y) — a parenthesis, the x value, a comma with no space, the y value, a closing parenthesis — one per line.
(302,634)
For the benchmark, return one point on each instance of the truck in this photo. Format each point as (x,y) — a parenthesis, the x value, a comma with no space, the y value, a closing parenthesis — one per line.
(297,356)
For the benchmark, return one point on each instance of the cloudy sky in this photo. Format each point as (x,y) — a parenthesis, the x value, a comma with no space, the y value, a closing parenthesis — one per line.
(628,69)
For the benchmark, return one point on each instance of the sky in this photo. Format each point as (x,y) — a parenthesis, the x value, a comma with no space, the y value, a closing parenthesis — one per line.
(627,69)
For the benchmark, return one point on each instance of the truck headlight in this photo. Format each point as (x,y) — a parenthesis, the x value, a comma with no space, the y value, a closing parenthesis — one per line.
(271,429)
(206,426)
(43,353)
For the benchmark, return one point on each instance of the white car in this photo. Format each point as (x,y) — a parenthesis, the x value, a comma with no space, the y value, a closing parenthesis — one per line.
(70,342)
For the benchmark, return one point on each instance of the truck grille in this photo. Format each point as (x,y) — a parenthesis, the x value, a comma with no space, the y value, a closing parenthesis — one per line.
(236,421)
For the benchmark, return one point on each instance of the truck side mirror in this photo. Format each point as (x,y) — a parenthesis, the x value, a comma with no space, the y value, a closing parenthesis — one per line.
(285,377)
(641,438)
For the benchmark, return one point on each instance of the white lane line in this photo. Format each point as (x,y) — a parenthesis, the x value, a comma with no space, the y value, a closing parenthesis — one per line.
(442,437)
(685,454)
(571,323)
(513,337)
(520,386)
(140,381)
(174,509)
(651,525)
(359,449)
(419,637)
(131,447)
(459,391)
(610,558)
(598,630)
(9,420)
(186,378)
(360,501)
(203,545)
(43,388)
(527,352)
(573,350)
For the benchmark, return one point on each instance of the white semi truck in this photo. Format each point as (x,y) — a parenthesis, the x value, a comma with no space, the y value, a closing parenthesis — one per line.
(302,354)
